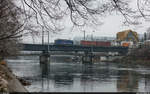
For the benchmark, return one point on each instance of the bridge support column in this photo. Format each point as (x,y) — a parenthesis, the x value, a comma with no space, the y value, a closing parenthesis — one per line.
(87,57)
(45,63)
(75,58)
(44,57)
(76,53)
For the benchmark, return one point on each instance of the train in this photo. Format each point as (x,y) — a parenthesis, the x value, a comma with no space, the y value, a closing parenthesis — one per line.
(82,42)
(95,43)
(63,42)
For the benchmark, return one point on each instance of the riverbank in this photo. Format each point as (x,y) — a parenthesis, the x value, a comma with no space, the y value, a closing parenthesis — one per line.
(136,56)
(8,81)
(127,60)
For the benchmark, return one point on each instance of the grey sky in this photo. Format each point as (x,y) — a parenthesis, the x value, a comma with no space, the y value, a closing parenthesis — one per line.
(112,25)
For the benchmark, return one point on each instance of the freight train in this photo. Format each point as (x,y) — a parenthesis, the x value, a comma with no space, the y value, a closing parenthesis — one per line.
(82,42)
(63,42)
(95,43)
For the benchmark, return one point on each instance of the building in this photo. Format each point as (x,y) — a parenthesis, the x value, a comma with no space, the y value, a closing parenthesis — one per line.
(127,37)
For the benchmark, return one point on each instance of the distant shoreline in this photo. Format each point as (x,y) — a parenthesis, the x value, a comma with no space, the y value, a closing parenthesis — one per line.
(126,60)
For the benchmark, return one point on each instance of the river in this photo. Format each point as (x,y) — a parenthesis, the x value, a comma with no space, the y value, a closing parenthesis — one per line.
(66,76)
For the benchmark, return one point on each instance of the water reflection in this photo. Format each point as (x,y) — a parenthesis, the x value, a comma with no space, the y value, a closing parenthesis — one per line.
(63,79)
(77,77)
(86,77)
(147,82)
(128,81)
(44,70)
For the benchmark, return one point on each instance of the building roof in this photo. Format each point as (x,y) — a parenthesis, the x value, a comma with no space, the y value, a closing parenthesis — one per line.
(121,36)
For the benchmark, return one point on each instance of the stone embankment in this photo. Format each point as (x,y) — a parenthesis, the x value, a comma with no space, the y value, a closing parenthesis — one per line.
(8,81)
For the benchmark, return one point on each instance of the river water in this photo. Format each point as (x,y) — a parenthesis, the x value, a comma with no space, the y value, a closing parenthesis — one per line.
(66,76)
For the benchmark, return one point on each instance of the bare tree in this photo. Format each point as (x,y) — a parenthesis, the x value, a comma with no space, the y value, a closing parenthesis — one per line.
(48,13)
(10,28)
(16,21)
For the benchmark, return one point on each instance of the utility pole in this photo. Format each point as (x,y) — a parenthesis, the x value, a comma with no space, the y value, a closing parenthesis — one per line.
(84,34)
(92,45)
(48,61)
(92,36)
(42,35)
(92,39)
(145,36)
(48,41)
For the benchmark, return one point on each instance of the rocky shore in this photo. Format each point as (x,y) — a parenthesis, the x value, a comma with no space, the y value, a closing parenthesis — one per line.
(8,81)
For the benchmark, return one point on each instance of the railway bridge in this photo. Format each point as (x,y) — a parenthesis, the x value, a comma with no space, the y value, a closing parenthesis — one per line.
(76,48)
(88,50)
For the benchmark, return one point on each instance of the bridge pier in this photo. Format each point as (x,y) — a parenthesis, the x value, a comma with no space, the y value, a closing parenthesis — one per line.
(75,58)
(44,57)
(45,63)
(76,53)
(87,57)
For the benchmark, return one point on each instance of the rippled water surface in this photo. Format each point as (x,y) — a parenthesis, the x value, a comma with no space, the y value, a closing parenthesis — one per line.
(77,77)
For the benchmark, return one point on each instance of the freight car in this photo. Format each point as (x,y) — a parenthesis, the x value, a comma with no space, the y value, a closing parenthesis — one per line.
(103,43)
(63,42)
(95,43)
(88,43)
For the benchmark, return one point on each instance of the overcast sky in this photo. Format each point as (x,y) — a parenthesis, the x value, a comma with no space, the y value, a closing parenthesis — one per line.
(112,24)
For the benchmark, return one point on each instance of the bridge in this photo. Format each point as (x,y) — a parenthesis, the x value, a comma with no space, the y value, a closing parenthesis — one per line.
(76,48)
